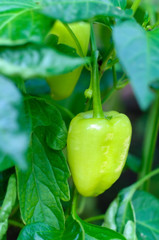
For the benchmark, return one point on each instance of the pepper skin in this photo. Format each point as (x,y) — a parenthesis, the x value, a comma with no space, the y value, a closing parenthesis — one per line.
(63,85)
(97,150)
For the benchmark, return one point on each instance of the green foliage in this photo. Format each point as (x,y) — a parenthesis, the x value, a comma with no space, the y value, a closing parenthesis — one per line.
(19,62)
(36,193)
(20,23)
(138,51)
(127,213)
(97,233)
(73,230)
(38,231)
(45,181)
(14,138)
(7,205)
(77,9)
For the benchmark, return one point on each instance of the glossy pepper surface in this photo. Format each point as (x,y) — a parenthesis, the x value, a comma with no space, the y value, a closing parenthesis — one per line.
(97,150)
(63,85)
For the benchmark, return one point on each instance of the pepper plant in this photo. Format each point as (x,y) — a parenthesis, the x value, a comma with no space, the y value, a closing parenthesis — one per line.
(93,59)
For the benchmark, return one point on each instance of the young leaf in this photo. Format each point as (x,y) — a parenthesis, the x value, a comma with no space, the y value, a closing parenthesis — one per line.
(14,138)
(138,52)
(146,209)
(37,61)
(39,231)
(76,10)
(7,205)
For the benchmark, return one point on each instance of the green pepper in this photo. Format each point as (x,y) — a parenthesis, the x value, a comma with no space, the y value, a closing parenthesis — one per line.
(63,85)
(97,150)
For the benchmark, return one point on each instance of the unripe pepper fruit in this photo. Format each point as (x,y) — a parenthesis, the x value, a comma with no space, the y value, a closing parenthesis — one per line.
(63,85)
(97,150)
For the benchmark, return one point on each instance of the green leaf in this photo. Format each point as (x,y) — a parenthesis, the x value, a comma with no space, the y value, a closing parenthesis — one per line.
(22,26)
(43,113)
(5,162)
(131,213)
(42,231)
(73,230)
(14,138)
(76,10)
(147,215)
(125,211)
(7,205)
(37,61)
(39,231)
(138,52)
(120,3)
(44,183)
(7,6)
(4,177)
(130,231)
(110,215)
(94,232)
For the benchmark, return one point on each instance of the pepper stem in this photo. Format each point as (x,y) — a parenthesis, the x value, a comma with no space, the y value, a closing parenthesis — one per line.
(150,142)
(97,106)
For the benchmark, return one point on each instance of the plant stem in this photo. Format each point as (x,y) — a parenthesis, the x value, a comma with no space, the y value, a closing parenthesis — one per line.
(151,14)
(150,142)
(145,178)
(105,61)
(74,213)
(111,64)
(92,219)
(118,86)
(15,223)
(114,76)
(135,5)
(97,106)
(74,204)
